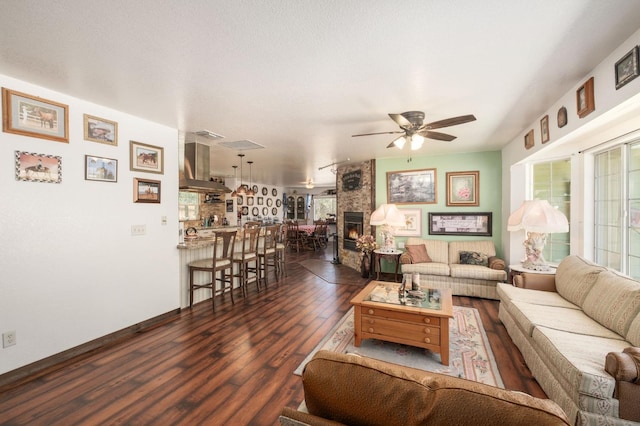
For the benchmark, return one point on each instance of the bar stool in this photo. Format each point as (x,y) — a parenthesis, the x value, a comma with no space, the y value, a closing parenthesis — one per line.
(281,250)
(267,253)
(247,254)
(223,246)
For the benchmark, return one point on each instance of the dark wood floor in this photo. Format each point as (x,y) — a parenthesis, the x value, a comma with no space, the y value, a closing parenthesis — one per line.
(234,366)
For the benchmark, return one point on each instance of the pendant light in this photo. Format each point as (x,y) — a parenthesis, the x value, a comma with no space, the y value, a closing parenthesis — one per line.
(241,189)
(250,191)
(235,179)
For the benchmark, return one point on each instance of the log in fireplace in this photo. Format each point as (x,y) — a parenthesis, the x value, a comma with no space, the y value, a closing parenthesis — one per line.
(353,228)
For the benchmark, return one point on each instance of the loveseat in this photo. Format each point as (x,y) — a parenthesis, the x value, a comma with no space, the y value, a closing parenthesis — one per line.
(354,390)
(439,264)
(573,329)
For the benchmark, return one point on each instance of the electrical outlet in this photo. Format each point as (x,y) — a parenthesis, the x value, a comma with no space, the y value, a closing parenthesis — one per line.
(8,339)
(137,230)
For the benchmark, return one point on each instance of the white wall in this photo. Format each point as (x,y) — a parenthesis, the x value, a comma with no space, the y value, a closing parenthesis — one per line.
(70,271)
(617,112)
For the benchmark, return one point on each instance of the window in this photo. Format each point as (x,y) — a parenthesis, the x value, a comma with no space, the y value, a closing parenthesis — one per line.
(617,208)
(188,205)
(324,206)
(552,182)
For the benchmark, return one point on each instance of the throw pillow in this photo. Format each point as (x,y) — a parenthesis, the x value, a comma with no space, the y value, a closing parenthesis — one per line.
(474,258)
(418,253)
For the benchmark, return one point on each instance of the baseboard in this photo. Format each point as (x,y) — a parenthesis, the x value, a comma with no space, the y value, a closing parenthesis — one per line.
(55,362)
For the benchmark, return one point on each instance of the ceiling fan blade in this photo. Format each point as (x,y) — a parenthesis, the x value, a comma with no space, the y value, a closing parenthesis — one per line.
(436,135)
(377,133)
(401,120)
(450,122)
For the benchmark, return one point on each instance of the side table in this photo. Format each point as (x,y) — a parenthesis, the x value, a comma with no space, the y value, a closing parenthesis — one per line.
(393,256)
(517,269)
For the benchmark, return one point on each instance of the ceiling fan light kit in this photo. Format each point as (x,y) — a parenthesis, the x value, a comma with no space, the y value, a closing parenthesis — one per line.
(413,127)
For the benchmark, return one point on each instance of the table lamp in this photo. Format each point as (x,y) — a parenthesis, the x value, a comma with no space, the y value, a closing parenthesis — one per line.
(387,216)
(538,218)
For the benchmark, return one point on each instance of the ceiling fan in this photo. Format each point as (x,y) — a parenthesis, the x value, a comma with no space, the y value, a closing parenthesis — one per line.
(413,129)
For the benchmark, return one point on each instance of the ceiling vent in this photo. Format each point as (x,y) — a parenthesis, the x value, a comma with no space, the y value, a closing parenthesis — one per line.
(242,145)
(208,134)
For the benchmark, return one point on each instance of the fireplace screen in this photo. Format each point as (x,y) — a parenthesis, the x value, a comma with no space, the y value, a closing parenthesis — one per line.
(353,227)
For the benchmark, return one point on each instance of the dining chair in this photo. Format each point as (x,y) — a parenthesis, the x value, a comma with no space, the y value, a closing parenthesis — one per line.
(220,261)
(267,253)
(295,237)
(319,236)
(246,253)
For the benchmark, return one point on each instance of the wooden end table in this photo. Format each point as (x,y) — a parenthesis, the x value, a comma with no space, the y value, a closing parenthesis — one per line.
(380,314)
(393,256)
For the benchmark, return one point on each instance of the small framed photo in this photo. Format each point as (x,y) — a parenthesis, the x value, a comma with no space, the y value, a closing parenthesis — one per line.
(32,167)
(412,187)
(260,200)
(585,99)
(28,115)
(239,200)
(544,129)
(100,169)
(562,117)
(146,191)
(528,140)
(627,68)
(249,201)
(413,223)
(463,188)
(100,130)
(146,158)
(229,204)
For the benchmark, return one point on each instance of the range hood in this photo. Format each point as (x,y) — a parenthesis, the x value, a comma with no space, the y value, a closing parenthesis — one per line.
(195,174)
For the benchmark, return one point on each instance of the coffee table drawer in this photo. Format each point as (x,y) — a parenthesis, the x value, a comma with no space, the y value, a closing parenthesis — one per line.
(410,331)
(402,316)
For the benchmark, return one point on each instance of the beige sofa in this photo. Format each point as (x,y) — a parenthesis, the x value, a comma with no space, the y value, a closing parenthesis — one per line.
(444,269)
(354,390)
(566,326)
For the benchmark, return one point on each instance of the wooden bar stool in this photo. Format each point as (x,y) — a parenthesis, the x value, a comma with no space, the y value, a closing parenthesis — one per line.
(247,254)
(220,261)
(267,253)
(281,250)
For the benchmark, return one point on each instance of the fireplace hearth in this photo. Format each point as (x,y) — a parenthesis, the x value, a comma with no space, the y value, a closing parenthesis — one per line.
(353,228)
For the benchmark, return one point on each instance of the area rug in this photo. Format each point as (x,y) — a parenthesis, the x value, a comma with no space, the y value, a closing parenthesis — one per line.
(470,355)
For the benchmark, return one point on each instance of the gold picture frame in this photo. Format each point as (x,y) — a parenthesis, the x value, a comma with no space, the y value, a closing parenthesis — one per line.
(146,158)
(29,115)
(528,140)
(585,99)
(100,130)
(463,189)
(544,129)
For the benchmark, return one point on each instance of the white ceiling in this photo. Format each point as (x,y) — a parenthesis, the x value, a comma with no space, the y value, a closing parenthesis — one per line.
(300,77)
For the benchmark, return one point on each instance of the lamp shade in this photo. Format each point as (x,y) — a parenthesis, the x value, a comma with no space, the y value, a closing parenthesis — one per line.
(538,216)
(387,214)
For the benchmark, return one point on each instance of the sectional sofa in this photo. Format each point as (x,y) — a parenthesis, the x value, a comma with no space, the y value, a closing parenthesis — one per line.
(442,266)
(574,330)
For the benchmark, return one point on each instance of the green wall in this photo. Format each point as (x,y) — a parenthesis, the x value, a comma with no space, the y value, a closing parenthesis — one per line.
(489,164)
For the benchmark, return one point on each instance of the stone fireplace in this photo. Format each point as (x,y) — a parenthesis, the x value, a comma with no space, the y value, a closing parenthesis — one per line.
(353,228)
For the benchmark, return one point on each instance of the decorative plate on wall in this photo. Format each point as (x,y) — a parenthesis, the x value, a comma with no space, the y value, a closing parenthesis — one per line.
(274,211)
(245,211)
(269,202)
(265,211)
(274,192)
(265,191)
(255,211)
(278,202)
(239,200)
(255,189)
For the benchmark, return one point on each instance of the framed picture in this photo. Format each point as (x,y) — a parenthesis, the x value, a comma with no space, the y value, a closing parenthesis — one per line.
(245,211)
(32,167)
(274,211)
(146,158)
(146,191)
(28,115)
(460,224)
(260,201)
(239,200)
(265,211)
(544,129)
(463,188)
(255,211)
(562,117)
(585,99)
(627,68)
(249,201)
(100,130)
(413,223)
(528,140)
(270,202)
(412,187)
(100,169)
(229,204)
(265,191)
(278,202)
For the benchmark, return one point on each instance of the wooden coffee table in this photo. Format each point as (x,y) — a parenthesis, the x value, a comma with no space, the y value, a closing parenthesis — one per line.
(423,322)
